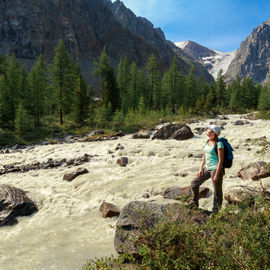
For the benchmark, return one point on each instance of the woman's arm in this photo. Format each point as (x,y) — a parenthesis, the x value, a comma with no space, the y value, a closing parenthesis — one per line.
(220,163)
(202,165)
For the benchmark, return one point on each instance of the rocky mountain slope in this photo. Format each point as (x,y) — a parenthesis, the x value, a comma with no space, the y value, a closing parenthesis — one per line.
(145,29)
(31,27)
(253,57)
(212,60)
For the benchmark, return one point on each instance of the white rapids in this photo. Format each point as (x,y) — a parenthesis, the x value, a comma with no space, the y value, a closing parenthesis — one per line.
(68,228)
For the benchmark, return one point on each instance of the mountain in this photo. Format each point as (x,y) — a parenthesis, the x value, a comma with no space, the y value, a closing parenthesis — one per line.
(145,29)
(253,57)
(212,60)
(31,27)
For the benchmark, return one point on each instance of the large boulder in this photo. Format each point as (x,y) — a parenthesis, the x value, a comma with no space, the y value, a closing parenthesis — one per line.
(255,171)
(14,202)
(175,131)
(179,193)
(239,196)
(136,217)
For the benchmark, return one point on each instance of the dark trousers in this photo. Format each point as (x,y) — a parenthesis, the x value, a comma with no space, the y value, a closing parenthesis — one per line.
(218,194)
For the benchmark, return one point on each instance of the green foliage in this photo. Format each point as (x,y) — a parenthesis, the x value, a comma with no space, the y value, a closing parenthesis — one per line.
(81,102)
(109,89)
(23,121)
(64,72)
(235,238)
(103,115)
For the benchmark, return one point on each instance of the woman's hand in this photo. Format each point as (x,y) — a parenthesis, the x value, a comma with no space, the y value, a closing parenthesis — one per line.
(215,178)
(200,173)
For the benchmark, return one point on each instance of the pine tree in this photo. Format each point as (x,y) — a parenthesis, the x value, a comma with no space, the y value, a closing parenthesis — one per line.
(22,120)
(38,86)
(109,89)
(81,101)
(264,99)
(221,90)
(133,94)
(10,91)
(191,90)
(173,87)
(123,76)
(63,77)
(154,83)
(237,100)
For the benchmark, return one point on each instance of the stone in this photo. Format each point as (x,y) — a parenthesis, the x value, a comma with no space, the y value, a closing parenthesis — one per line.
(176,131)
(238,196)
(254,171)
(119,146)
(184,133)
(136,217)
(179,193)
(71,176)
(200,130)
(14,202)
(239,123)
(109,210)
(122,161)
(142,134)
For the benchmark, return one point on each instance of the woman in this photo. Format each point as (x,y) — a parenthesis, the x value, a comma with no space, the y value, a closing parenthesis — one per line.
(211,167)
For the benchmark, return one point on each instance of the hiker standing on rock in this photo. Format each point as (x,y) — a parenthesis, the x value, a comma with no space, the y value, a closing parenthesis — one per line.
(211,167)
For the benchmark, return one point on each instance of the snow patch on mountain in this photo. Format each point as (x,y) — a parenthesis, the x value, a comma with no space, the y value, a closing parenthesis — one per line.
(212,60)
(217,62)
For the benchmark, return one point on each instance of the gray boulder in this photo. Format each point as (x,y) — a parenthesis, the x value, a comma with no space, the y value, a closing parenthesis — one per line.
(13,203)
(136,217)
(174,131)
(179,193)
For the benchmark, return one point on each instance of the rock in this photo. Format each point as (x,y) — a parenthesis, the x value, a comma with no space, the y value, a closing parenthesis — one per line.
(199,155)
(72,176)
(239,123)
(190,155)
(96,132)
(238,196)
(146,195)
(122,161)
(142,134)
(109,210)
(13,203)
(170,130)
(218,123)
(254,171)
(179,193)
(184,133)
(136,217)
(119,147)
(200,130)
(120,134)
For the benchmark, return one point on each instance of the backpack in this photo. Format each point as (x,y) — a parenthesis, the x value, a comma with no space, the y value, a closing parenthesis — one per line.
(228,154)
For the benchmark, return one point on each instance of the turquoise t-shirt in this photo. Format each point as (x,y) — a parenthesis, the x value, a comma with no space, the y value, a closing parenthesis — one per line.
(211,158)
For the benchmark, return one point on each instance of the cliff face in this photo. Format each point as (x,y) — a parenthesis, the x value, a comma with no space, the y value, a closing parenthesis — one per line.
(253,57)
(31,27)
(155,37)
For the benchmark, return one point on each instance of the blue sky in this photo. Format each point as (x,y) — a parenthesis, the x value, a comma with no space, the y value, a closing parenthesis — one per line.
(217,24)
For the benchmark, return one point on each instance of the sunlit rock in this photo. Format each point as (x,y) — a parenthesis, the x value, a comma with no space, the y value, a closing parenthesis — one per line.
(254,171)
(109,210)
(13,203)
